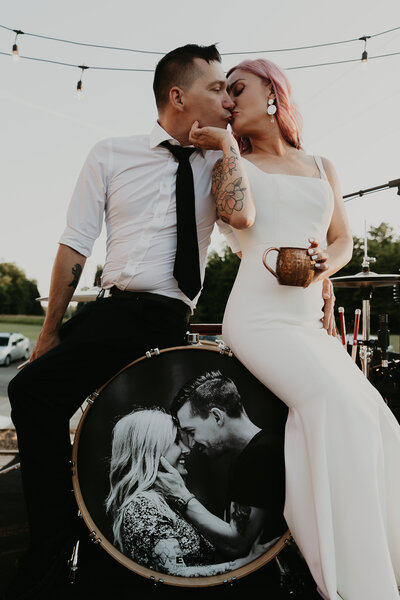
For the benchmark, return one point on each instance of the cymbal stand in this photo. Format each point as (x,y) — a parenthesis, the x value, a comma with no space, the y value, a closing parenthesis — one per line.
(366,346)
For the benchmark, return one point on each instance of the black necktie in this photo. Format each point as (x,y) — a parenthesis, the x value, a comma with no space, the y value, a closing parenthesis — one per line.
(187,264)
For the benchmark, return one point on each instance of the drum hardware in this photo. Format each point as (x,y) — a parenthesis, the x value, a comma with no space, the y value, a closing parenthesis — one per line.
(72,463)
(192,338)
(231,582)
(73,563)
(152,352)
(366,280)
(224,349)
(155,581)
(92,397)
(93,537)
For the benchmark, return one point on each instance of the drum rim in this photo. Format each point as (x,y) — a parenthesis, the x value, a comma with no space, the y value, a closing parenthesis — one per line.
(101,540)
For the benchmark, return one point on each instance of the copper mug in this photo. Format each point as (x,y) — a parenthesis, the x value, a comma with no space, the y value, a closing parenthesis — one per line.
(293,266)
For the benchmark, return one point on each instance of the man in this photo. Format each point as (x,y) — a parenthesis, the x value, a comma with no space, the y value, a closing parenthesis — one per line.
(131,180)
(151,281)
(212,418)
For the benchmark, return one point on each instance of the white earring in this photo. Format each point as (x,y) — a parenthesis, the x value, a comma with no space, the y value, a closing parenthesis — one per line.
(271,110)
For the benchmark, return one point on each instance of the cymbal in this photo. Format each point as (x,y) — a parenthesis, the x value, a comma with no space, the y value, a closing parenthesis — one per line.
(87,295)
(368,279)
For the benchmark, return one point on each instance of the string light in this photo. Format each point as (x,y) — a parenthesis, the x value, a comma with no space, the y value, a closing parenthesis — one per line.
(15,53)
(79,84)
(364,55)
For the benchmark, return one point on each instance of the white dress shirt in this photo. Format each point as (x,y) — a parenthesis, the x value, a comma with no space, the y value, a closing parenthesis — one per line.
(132,180)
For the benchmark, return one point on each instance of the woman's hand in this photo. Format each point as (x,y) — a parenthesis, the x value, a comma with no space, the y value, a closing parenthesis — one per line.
(210,138)
(319,259)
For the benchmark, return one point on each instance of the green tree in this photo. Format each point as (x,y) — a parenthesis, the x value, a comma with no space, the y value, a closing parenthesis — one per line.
(220,275)
(384,245)
(17,293)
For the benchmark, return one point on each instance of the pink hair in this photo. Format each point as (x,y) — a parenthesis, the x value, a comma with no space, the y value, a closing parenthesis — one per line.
(287,116)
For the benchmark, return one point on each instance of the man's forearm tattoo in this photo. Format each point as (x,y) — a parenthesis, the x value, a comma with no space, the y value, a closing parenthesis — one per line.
(228,197)
(76,272)
(241,515)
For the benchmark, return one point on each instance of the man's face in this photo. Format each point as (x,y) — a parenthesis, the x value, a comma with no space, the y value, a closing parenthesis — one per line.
(207,100)
(207,435)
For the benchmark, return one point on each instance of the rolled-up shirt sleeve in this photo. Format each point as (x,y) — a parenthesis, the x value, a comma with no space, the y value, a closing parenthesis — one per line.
(229,234)
(86,208)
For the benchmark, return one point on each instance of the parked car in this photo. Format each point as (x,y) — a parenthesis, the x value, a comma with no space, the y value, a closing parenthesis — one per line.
(13,346)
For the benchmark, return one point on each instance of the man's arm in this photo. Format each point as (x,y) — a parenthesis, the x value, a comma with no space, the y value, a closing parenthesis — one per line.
(67,269)
(232,539)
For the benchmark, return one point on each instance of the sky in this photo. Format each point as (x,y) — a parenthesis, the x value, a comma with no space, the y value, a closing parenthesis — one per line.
(350,111)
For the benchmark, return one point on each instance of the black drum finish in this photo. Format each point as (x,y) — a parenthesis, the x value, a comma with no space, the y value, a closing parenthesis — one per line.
(150,382)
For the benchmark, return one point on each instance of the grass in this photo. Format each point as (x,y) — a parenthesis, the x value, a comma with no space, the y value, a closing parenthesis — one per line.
(28,325)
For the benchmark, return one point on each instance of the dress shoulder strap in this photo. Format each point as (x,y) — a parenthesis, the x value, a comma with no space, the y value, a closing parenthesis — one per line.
(320,166)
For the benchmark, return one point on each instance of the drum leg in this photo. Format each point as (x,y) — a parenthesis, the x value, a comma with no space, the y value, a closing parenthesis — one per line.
(292,569)
(73,563)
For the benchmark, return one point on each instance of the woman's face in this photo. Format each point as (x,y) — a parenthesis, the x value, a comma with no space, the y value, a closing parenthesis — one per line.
(250,95)
(176,455)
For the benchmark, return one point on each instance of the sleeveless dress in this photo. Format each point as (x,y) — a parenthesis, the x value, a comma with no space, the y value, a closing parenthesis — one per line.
(342,442)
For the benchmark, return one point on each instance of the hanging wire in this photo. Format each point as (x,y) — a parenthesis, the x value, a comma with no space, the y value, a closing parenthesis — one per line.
(122,49)
(336,62)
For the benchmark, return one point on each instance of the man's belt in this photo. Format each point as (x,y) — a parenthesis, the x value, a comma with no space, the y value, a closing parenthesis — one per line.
(178,306)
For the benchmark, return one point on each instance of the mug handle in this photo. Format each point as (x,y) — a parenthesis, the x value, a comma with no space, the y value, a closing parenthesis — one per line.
(264,259)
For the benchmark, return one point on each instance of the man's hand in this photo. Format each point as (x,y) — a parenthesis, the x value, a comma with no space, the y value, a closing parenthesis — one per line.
(45,342)
(329,305)
(211,138)
(170,483)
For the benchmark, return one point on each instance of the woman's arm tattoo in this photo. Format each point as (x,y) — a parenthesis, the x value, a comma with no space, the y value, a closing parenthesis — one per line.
(76,271)
(229,195)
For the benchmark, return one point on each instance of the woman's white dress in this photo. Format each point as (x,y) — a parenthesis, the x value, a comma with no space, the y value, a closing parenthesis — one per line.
(342,442)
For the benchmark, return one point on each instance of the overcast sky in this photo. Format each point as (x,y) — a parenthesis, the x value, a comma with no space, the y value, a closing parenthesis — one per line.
(351,114)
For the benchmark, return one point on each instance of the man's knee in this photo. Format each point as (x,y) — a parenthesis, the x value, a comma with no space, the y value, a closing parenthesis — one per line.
(18,390)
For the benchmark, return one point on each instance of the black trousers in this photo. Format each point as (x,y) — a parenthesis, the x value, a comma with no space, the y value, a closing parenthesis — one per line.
(100,339)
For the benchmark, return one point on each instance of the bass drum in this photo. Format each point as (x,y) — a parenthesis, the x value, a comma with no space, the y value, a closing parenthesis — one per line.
(154,380)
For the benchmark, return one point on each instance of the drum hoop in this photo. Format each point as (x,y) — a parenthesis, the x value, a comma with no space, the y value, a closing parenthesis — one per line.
(155,576)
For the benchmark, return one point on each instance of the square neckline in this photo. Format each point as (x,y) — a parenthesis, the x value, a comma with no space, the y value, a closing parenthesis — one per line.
(287,174)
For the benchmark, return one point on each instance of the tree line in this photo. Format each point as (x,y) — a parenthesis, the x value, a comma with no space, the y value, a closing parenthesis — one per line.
(17,293)
(383,244)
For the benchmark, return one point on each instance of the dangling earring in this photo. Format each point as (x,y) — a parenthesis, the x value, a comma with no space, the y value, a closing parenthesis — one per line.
(271,110)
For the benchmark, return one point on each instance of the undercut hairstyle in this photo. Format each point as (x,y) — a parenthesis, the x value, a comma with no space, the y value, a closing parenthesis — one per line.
(178,68)
(210,390)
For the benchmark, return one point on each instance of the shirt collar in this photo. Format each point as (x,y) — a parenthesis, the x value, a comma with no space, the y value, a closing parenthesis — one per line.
(158,135)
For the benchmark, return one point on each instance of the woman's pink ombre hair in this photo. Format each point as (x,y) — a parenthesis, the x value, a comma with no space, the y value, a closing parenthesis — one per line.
(287,115)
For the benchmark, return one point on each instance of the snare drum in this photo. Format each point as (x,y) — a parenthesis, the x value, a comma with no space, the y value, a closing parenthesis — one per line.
(154,380)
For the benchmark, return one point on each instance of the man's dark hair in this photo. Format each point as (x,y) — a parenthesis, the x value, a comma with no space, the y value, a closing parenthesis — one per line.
(177,68)
(210,390)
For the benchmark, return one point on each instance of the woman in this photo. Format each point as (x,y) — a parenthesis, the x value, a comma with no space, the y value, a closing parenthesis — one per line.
(342,443)
(146,527)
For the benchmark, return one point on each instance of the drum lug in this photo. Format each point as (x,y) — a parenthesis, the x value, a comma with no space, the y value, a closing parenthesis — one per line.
(152,352)
(224,349)
(72,463)
(230,582)
(92,397)
(192,338)
(93,537)
(155,581)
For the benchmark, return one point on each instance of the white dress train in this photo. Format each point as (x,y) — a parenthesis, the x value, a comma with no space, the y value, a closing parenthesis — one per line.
(342,442)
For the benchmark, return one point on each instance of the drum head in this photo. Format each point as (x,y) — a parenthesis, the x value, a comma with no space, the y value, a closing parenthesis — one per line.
(155,381)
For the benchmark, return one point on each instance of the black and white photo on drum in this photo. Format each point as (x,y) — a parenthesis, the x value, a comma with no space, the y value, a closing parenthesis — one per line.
(220,445)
